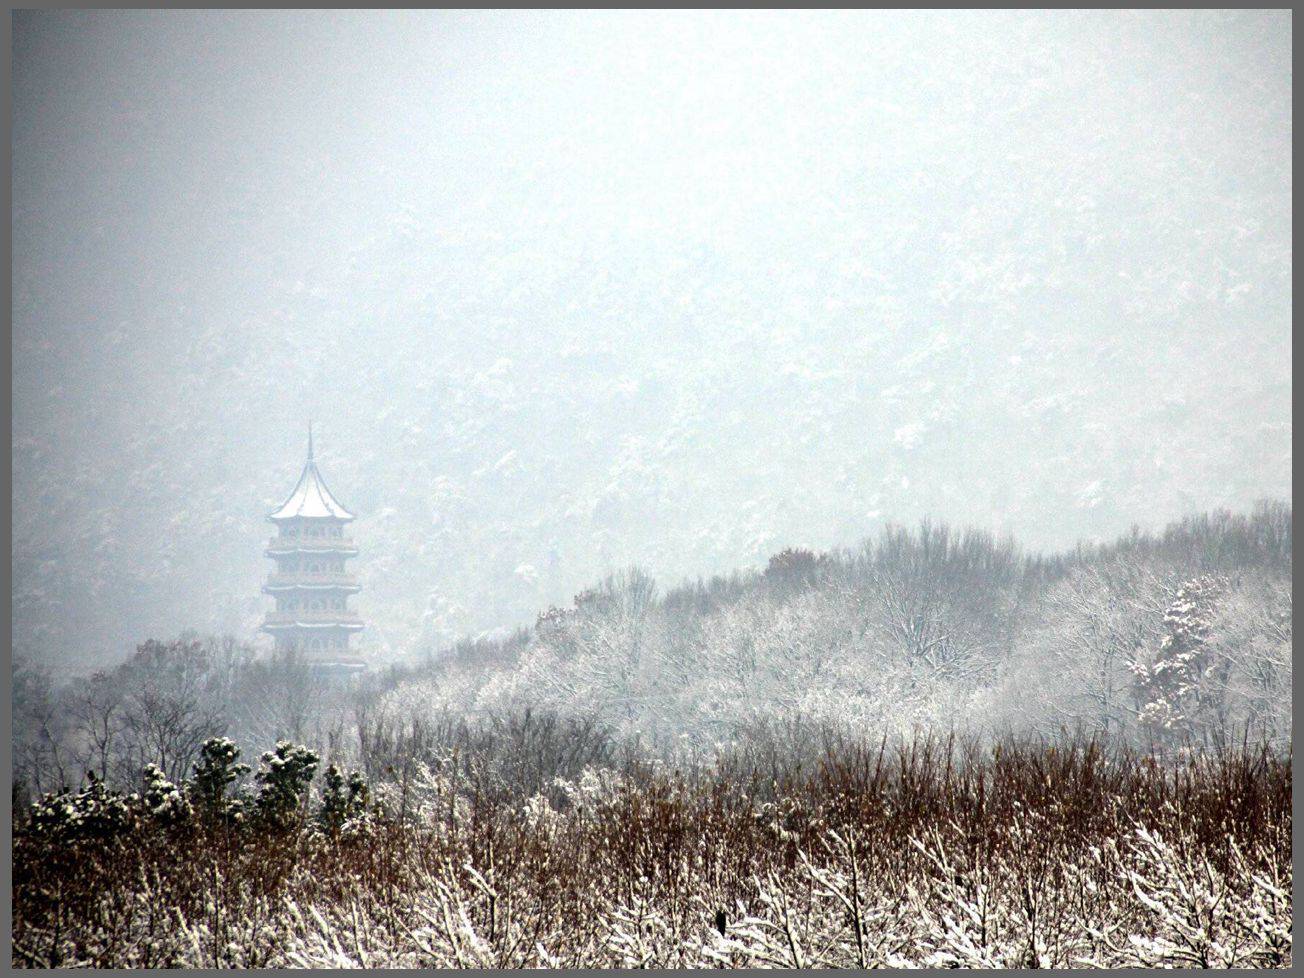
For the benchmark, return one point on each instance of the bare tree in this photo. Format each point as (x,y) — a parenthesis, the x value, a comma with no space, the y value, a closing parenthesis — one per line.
(947,601)
(169,708)
(99,710)
(39,728)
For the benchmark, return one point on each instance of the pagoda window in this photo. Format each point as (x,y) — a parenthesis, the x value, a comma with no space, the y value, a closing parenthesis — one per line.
(335,531)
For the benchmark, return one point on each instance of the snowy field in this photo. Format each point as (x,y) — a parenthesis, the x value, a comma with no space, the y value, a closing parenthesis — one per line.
(930,853)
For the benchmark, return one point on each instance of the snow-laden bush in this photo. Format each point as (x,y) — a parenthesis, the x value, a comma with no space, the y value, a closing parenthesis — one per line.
(1200,916)
(283,784)
(164,802)
(217,769)
(94,812)
(344,803)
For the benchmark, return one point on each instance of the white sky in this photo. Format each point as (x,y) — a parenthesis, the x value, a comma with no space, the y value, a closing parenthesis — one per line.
(566,291)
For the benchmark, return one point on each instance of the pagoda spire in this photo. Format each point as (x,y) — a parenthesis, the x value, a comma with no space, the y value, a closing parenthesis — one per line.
(310,497)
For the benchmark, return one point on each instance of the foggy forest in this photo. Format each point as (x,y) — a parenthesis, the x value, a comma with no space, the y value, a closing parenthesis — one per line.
(773,489)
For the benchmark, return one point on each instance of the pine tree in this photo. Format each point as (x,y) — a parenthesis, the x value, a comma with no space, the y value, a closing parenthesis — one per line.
(284,784)
(1169,688)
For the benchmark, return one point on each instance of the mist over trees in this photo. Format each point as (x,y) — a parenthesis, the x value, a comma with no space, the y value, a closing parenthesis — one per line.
(1162,640)
(566,292)
(1183,636)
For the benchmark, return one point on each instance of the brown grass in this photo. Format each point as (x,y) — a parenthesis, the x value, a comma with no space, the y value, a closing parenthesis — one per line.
(933,851)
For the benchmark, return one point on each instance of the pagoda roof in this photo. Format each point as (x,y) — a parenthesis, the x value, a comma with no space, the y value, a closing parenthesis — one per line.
(310,498)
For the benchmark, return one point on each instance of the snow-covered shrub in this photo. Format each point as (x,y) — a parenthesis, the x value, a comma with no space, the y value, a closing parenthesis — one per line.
(1200,916)
(217,768)
(94,812)
(164,802)
(539,815)
(594,788)
(344,802)
(284,781)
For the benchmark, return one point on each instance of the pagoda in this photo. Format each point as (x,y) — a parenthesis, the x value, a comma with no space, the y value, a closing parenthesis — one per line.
(310,583)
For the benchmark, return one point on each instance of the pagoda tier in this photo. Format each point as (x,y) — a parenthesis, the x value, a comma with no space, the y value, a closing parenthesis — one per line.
(287,583)
(287,546)
(311,584)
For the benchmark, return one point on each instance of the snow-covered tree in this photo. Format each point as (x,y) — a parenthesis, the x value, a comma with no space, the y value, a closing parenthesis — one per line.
(1174,700)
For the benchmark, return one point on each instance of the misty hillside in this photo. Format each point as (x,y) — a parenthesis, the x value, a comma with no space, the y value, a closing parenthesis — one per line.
(1157,641)
(1165,638)
(567,294)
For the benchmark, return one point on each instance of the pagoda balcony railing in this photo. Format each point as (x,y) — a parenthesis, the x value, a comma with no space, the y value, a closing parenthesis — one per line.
(345,618)
(291,544)
(290,580)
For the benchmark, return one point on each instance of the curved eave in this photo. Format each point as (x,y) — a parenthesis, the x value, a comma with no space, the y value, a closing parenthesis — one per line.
(274,518)
(353,626)
(277,588)
(294,548)
(329,665)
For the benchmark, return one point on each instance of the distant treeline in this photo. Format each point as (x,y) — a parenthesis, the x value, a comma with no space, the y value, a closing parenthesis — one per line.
(1161,639)
(1164,640)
